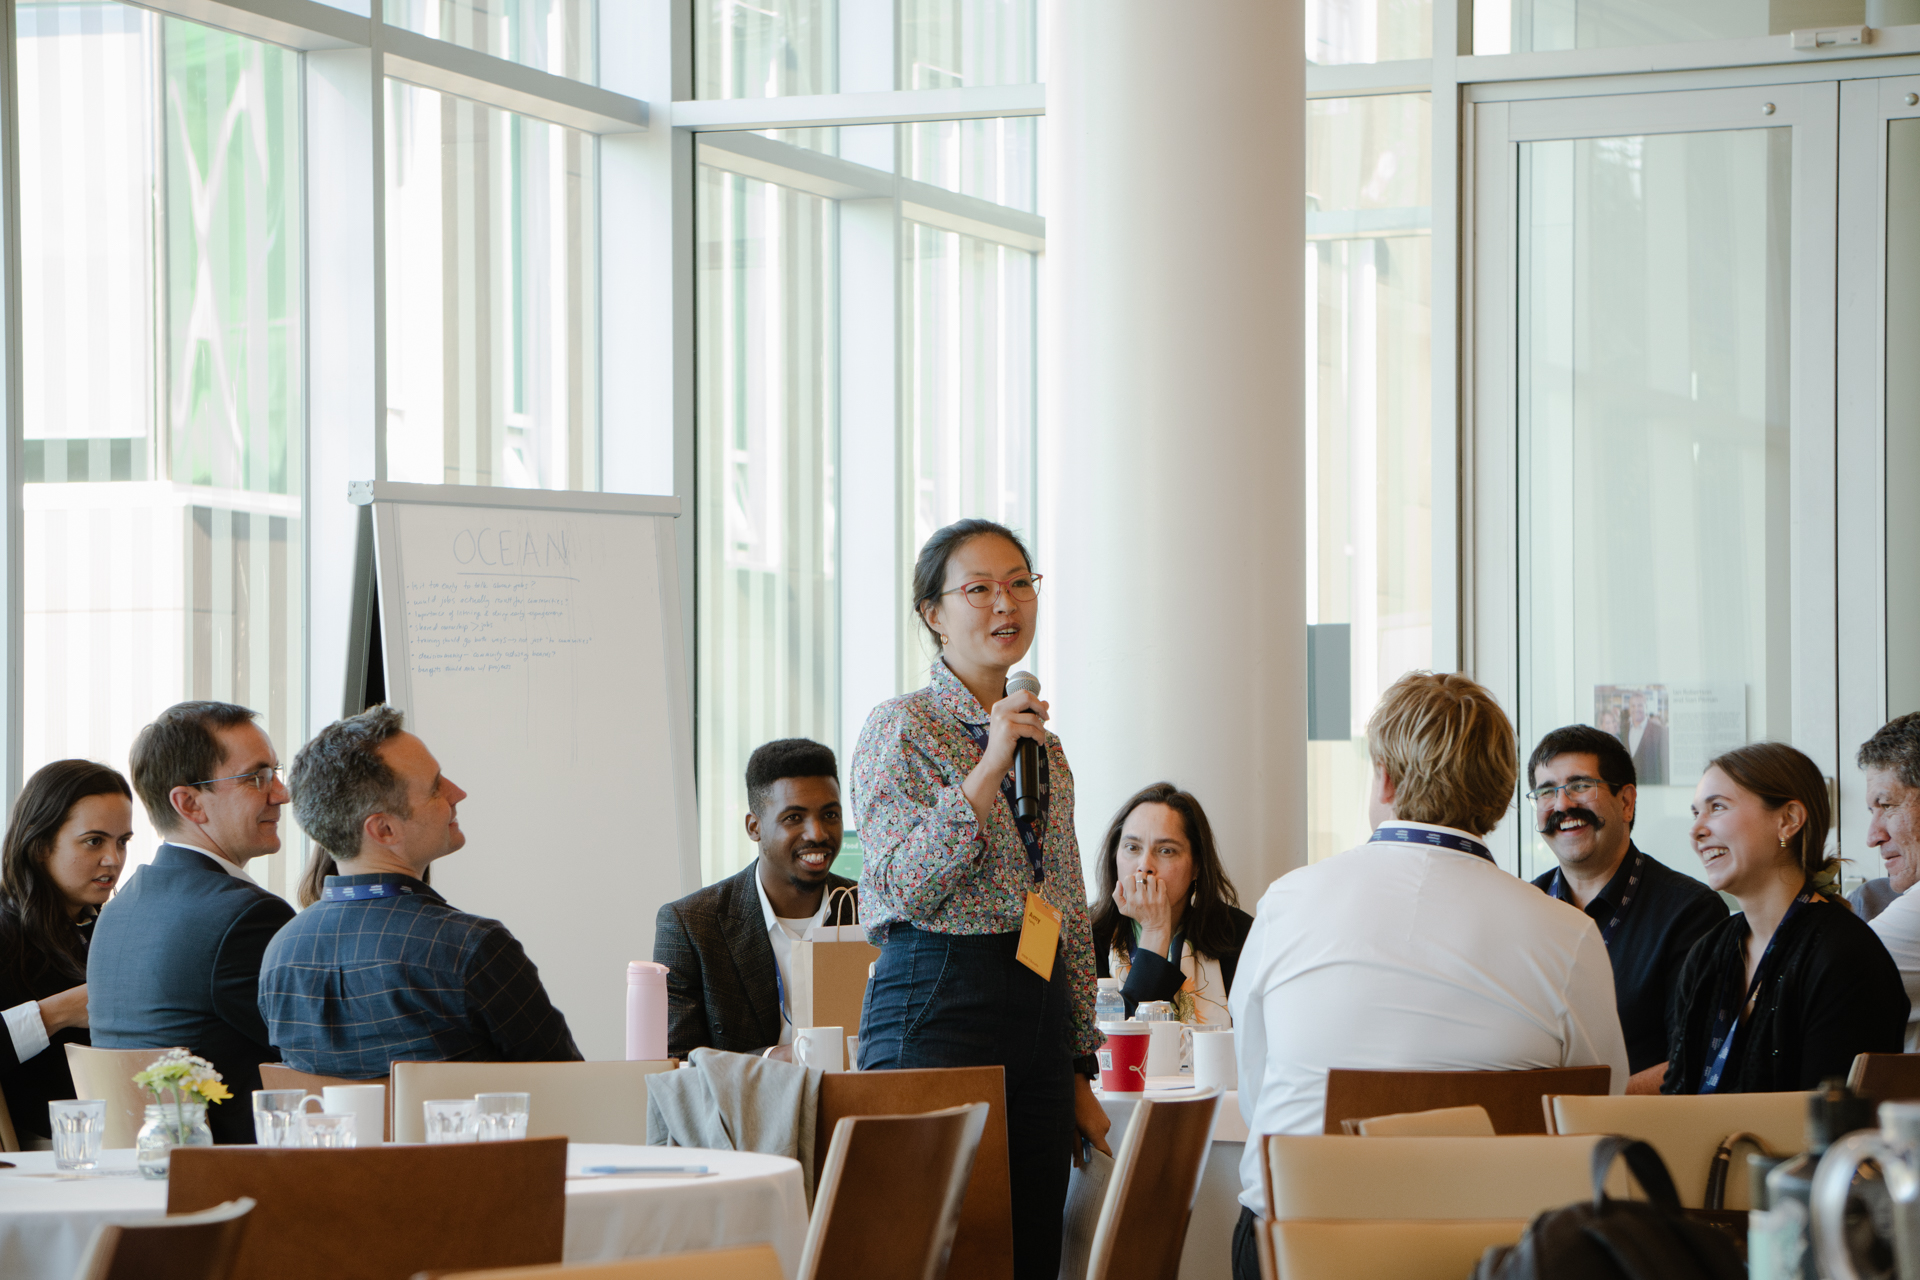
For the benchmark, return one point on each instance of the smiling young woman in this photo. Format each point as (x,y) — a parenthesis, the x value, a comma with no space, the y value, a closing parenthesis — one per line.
(1787,992)
(949,873)
(66,842)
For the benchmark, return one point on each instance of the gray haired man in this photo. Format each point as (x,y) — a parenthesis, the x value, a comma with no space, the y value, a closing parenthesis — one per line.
(381,969)
(1891,761)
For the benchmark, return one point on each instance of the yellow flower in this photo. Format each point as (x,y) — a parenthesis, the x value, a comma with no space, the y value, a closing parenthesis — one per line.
(214,1091)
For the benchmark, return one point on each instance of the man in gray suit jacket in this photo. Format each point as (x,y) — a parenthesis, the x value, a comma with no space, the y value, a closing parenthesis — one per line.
(730,984)
(176,954)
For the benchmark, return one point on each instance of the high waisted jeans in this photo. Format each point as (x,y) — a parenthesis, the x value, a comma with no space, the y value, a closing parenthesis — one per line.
(962,1000)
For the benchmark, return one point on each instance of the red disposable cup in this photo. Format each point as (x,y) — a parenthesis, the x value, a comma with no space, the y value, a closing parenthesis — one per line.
(1123,1059)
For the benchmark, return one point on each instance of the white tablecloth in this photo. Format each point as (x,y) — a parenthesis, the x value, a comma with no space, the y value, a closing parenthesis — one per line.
(47,1220)
(1208,1254)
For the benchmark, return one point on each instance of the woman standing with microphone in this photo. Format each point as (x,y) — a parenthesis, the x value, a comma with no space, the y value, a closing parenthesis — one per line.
(986,955)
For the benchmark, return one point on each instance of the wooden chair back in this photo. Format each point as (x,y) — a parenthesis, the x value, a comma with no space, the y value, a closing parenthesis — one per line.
(1404,1250)
(1886,1077)
(278,1075)
(1512,1098)
(383,1213)
(755,1262)
(9,1140)
(1443,1122)
(1426,1178)
(585,1101)
(1156,1175)
(888,1202)
(108,1074)
(983,1249)
(1686,1129)
(186,1246)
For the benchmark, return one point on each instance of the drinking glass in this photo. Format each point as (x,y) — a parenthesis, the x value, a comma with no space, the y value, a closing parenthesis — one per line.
(449,1120)
(79,1127)
(276,1116)
(329,1129)
(501,1117)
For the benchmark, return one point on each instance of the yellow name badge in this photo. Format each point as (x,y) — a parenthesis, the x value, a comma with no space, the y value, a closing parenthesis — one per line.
(1039,936)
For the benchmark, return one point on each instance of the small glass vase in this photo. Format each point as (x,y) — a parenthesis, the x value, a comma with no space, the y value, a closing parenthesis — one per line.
(170,1125)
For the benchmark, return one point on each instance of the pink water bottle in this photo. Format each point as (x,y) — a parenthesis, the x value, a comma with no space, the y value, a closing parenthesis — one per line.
(646,1011)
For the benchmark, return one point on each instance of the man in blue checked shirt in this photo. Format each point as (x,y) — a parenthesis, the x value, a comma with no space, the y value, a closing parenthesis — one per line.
(381,969)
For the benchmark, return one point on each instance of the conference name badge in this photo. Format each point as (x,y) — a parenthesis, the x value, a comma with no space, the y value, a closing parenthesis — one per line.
(1039,936)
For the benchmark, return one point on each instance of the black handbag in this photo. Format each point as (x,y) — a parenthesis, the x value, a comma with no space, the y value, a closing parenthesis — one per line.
(1618,1239)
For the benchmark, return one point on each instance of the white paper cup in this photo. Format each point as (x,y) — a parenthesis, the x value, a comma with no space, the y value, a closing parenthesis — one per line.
(368,1102)
(820,1047)
(1213,1061)
(1163,1054)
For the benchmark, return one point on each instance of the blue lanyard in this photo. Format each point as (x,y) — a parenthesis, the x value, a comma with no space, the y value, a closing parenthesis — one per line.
(1612,926)
(363,892)
(1030,834)
(1394,833)
(1729,1015)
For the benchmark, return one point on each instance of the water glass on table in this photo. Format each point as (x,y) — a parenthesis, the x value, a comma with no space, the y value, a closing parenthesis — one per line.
(501,1117)
(276,1115)
(79,1127)
(449,1120)
(330,1129)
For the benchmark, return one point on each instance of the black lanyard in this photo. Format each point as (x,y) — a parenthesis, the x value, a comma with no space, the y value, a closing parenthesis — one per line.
(1729,1015)
(1611,927)
(1030,830)
(1395,833)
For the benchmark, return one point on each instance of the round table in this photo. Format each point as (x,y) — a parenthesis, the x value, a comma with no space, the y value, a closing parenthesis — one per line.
(47,1218)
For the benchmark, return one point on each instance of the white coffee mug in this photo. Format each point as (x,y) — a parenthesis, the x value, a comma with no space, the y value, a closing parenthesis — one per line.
(367,1102)
(1163,1051)
(819,1047)
(1213,1061)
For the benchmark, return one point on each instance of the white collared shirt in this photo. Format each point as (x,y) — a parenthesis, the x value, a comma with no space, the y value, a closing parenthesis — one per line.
(237,872)
(1397,956)
(796,979)
(1899,928)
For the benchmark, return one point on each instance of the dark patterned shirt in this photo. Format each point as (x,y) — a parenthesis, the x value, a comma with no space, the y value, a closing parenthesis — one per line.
(351,987)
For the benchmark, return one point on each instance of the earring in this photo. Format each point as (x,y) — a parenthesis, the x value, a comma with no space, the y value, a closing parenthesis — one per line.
(1783,844)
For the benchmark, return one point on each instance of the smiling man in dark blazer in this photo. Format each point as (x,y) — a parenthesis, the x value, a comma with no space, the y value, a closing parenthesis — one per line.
(727,948)
(176,954)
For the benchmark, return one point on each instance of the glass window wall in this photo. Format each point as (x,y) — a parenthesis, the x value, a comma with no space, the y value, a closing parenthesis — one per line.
(163,381)
(492,297)
(555,36)
(909,288)
(1369,270)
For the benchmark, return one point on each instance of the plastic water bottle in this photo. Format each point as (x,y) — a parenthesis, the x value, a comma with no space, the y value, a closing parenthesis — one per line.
(1109,1005)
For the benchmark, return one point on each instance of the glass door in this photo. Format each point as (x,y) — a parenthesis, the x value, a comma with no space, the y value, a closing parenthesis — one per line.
(1652,462)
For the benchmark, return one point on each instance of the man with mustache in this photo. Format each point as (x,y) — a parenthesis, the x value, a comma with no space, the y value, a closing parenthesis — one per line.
(1583,790)
(731,982)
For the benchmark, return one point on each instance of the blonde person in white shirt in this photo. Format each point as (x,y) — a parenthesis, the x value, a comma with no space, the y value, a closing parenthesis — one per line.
(1414,951)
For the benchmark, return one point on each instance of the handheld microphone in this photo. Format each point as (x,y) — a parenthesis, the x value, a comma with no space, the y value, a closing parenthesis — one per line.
(1026,756)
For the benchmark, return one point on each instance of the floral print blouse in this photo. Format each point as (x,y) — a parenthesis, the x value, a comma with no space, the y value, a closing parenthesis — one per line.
(927,861)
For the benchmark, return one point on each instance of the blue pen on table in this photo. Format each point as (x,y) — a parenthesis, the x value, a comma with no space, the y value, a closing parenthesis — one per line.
(645,1168)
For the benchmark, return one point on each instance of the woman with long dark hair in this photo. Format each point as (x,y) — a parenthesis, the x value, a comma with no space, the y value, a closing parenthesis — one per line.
(66,842)
(1167,921)
(1784,994)
(981,914)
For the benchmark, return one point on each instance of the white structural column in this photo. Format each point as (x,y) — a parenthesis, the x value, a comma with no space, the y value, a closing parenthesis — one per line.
(1172,466)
